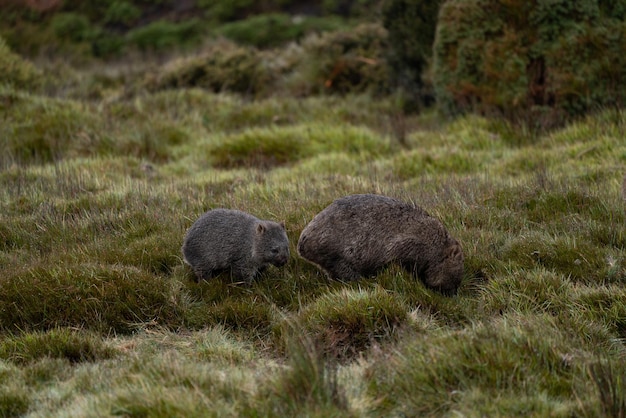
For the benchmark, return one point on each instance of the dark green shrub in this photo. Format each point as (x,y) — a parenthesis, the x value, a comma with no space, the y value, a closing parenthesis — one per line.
(265,148)
(262,31)
(258,148)
(223,11)
(270,30)
(71,26)
(105,44)
(411,25)
(16,71)
(345,61)
(161,35)
(351,8)
(122,13)
(533,60)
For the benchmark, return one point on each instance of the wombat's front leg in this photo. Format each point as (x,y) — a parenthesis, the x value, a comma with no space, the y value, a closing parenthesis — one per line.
(203,274)
(244,273)
(342,270)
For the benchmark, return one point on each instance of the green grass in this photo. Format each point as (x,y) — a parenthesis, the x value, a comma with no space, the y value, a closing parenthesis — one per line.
(99,315)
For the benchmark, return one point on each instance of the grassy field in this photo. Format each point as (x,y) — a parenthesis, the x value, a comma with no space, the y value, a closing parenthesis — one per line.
(99,316)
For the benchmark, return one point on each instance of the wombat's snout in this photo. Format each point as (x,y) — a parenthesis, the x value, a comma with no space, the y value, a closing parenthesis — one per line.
(282,259)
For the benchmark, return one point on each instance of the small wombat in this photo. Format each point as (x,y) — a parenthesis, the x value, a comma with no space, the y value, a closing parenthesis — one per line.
(231,240)
(357,235)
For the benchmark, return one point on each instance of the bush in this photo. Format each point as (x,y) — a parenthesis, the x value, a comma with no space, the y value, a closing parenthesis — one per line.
(263,31)
(351,8)
(270,30)
(122,13)
(411,25)
(105,44)
(161,35)
(71,26)
(16,71)
(222,67)
(223,11)
(533,60)
(347,61)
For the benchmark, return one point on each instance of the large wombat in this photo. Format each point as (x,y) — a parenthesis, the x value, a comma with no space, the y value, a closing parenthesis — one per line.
(357,235)
(224,239)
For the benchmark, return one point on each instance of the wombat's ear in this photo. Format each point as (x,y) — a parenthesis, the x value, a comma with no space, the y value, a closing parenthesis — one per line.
(453,251)
(260,228)
(283,225)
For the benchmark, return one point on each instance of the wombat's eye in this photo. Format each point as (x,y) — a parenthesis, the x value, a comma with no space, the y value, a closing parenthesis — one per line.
(274,250)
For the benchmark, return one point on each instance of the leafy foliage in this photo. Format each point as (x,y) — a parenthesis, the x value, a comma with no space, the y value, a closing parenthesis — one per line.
(274,29)
(16,72)
(342,62)
(411,25)
(104,167)
(221,67)
(161,35)
(530,60)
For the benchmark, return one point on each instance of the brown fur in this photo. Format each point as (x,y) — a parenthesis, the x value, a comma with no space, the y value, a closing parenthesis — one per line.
(357,235)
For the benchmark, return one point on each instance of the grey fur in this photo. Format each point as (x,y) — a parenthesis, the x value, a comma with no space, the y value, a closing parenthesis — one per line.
(231,240)
(359,234)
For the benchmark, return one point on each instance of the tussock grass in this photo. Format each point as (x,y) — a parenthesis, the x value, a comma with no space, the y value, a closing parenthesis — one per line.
(60,343)
(345,323)
(98,315)
(308,385)
(504,359)
(100,297)
(609,377)
(270,147)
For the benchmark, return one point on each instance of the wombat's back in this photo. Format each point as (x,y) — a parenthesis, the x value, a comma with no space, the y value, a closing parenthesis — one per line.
(346,220)
(214,236)
(357,235)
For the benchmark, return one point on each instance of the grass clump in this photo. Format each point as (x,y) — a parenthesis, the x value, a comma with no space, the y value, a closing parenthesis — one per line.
(16,71)
(308,385)
(437,374)
(270,147)
(247,315)
(44,130)
(99,315)
(574,258)
(100,297)
(345,323)
(62,343)
(609,377)
(14,401)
